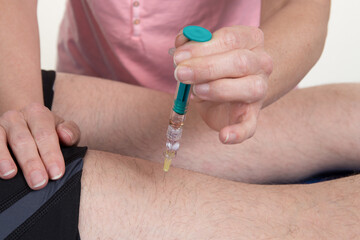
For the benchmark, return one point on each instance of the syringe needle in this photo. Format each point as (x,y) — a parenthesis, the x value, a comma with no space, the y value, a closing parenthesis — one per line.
(167,163)
(169,155)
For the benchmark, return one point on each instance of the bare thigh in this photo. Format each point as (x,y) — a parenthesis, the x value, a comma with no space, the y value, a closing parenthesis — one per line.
(306,132)
(128,198)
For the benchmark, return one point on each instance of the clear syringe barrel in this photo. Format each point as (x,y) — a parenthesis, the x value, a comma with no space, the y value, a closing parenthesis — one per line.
(173,136)
(176,122)
(174,132)
(177,116)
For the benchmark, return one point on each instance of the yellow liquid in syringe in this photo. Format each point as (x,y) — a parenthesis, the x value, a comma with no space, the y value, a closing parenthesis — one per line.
(169,155)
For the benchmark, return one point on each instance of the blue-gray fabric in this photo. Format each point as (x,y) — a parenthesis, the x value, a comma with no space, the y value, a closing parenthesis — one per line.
(19,212)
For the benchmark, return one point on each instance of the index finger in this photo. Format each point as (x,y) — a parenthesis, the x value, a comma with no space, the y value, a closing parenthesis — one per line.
(223,40)
(180,39)
(42,126)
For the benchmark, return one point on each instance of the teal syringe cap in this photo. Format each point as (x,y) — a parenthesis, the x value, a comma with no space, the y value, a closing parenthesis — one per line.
(197,34)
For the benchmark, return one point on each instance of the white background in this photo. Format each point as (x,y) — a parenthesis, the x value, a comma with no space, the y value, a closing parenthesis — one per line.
(339,62)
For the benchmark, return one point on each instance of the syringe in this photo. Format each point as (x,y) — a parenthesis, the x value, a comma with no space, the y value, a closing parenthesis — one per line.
(177,116)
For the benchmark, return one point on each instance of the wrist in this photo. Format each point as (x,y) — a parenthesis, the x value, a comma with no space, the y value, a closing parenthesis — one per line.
(16,94)
(17,104)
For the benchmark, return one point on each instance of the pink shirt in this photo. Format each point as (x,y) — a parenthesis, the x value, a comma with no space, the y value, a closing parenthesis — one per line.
(128,41)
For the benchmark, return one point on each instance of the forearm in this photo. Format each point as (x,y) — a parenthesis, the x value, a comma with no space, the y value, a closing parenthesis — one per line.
(295,138)
(20,55)
(295,33)
(131,198)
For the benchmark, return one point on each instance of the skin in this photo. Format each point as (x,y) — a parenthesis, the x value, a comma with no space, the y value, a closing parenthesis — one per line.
(239,118)
(19,45)
(285,45)
(232,94)
(293,45)
(127,198)
(131,198)
(295,139)
(32,131)
(21,130)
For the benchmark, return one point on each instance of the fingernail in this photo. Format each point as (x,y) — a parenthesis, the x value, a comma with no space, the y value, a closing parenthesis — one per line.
(54,172)
(6,168)
(68,132)
(230,138)
(179,33)
(171,51)
(184,74)
(181,56)
(37,179)
(201,89)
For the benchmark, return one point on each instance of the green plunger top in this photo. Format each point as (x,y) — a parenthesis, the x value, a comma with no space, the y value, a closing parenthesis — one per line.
(197,34)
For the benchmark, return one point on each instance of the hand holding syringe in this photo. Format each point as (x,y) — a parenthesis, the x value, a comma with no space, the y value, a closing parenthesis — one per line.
(177,116)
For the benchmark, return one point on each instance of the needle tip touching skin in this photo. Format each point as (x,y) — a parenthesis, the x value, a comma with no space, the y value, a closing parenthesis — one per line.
(167,163)
(169,155)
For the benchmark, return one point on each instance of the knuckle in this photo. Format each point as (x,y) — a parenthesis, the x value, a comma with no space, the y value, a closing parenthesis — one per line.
(18,140)
(252,131)
(257,35)
(43,135)
(228,38)
(267,63)
(35,108)
(241,62)
(11,116)
(220,91)
(210,70)
(259,88)
(50,157)
(31,163)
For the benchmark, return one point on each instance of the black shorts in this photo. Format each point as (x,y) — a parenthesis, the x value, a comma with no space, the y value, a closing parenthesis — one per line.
(50,213)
